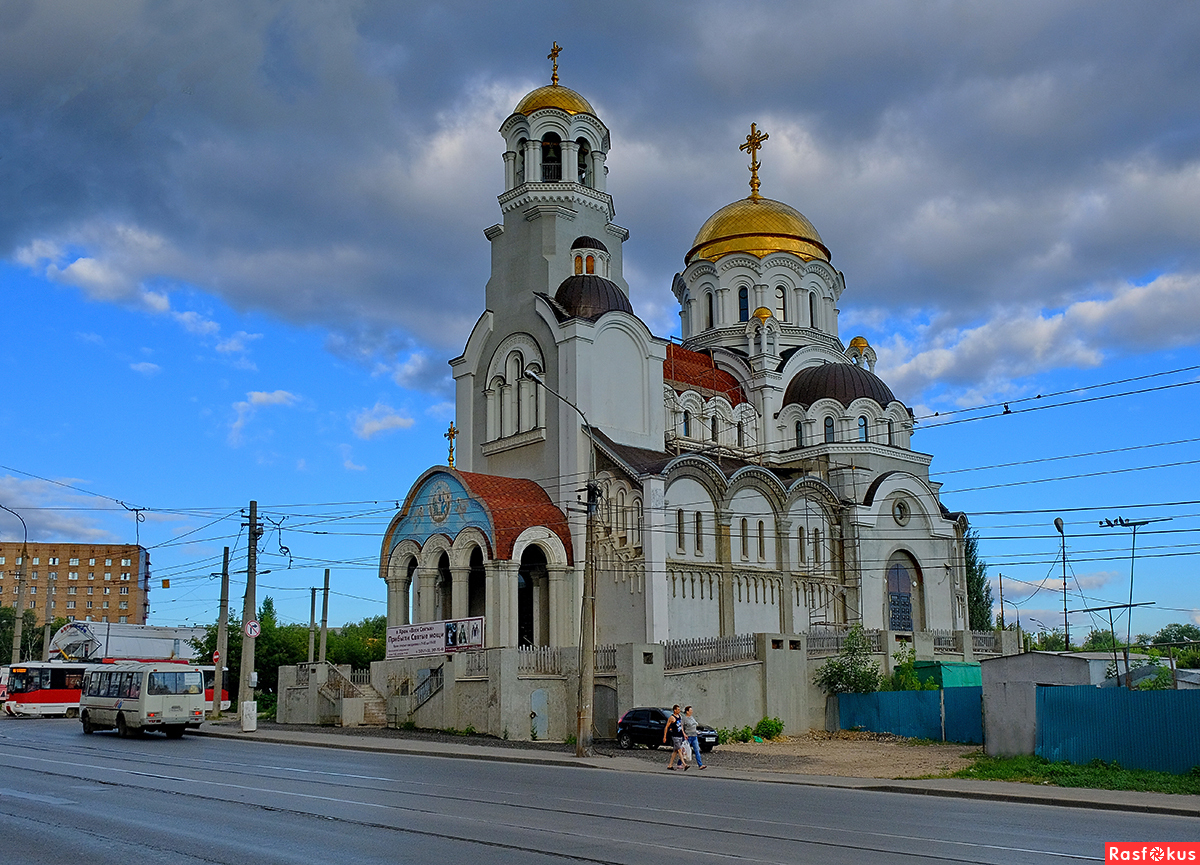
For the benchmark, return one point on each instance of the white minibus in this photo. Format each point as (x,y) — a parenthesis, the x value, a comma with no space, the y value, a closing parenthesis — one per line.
(145,696)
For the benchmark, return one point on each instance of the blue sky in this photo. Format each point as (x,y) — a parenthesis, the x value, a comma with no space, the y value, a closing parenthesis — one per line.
(240,243)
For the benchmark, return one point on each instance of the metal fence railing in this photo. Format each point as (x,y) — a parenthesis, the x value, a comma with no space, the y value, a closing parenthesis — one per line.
(829,640)
(945,642)
(360,677)
(606,659)
(985,642)
(703,651)
(475,664)
(539,661)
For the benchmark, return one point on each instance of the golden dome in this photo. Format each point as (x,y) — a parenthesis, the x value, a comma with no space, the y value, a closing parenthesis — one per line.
(859,342)
(759,226)
(762,314)
(553,96)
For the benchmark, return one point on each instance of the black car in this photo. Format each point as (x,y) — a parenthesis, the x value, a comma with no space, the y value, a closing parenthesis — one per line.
(645,726)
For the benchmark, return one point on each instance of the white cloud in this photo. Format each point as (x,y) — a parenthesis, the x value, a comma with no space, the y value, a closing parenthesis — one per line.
(195,323)
(247,408)
(418,372)
(51,512)
(239,342)
(371,422)
(348,461)
(145,368)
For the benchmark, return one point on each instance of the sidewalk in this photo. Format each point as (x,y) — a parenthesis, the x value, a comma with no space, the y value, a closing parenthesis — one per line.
(1032,794)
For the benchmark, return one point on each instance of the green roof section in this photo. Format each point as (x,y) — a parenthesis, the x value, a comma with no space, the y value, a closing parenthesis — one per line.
(950,674)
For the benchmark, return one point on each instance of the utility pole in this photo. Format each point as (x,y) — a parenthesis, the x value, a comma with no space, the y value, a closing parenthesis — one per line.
(587,641)
(249,604)
(46,638)
(18,610)
(222,639)
(324,616)
(1121,522)
(1058,524)
(1002,602)
(312,624)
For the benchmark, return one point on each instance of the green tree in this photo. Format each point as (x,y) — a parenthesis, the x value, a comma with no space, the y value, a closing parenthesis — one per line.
(979,590)
(1100,641)
(358,644)
(232,661)
(1051,641)
(1177,633)
(853,670)
(31,635)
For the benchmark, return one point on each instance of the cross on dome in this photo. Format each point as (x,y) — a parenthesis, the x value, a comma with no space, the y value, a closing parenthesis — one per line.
(553,56)
(753,143)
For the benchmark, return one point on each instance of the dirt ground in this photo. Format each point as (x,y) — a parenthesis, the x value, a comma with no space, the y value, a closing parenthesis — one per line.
(846,754)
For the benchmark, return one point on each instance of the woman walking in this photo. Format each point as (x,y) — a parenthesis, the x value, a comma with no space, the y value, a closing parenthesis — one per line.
(690,726)
(674,732)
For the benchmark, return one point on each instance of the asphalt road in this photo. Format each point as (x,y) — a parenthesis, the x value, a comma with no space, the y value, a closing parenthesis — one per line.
(66,797)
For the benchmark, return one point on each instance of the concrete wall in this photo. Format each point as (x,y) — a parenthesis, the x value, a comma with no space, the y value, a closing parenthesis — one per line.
(1010,693)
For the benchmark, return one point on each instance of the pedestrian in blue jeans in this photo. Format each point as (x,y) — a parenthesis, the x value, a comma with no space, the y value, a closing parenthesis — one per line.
(689,733)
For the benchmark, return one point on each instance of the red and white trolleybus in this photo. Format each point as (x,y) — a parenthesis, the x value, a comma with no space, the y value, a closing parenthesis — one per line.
(44,688)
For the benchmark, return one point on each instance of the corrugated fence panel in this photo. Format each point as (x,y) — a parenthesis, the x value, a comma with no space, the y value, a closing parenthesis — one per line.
(1138,729)
(917,714)
(964,714)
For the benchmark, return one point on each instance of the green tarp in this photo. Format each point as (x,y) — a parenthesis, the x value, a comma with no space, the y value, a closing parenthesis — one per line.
(950,674)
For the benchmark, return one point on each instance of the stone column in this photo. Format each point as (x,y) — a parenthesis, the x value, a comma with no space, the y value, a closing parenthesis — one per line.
(725,559)
(654,547)
(783,556)
(599,171)
(560,607)
(570,161)
(533,161)
(510,169)
(459,581)
(426,592)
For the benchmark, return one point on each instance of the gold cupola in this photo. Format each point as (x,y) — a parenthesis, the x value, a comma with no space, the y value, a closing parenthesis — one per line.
(756,225)
(554,95)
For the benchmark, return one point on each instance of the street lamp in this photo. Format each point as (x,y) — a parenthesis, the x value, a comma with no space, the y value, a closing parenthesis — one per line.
(587,624)
(17,611)
(1058,524)
(1122,523)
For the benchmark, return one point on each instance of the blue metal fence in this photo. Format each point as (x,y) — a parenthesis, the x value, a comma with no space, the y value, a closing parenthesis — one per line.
(1138,729)
(963,708)
(917,714)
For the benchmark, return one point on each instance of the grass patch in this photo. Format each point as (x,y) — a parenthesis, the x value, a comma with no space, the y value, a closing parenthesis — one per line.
(1097,775)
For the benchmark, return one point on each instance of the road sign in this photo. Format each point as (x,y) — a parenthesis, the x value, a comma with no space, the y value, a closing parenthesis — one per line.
(252,629)
(216,657)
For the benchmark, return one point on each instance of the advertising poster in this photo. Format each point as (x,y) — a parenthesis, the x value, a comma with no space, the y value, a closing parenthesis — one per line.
(434,638)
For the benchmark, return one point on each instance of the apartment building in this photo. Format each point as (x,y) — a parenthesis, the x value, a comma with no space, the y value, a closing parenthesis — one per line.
(84,582)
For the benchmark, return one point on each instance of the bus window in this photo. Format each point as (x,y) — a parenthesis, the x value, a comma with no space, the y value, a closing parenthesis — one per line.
(190,682)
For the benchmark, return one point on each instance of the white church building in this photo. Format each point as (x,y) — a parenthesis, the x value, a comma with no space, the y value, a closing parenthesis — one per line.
(756,475)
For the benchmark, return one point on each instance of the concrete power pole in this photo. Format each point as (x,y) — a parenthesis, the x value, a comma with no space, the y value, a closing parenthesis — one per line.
(312,625)
(587,637)
(324,616)
(18,618)
(46,639)
(222,639)
(249,605)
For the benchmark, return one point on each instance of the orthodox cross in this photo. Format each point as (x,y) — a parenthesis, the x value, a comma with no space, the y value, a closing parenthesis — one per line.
(553,55)
(753,142)
(451,434)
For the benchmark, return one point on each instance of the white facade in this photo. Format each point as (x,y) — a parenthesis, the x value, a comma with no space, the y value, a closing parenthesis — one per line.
(757,477)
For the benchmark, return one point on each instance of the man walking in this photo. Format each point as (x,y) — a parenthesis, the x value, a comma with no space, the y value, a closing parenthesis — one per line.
(689,733)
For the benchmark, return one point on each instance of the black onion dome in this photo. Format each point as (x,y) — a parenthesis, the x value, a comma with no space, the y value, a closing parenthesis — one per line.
(588,296)
(843,382)
(586,242)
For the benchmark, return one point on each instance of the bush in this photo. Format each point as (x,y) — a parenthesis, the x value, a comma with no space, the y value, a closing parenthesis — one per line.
(853,671)
(904,674)
(769,728)
(735,734)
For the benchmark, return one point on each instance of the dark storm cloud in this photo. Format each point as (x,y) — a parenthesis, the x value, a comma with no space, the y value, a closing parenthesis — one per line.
(973,165)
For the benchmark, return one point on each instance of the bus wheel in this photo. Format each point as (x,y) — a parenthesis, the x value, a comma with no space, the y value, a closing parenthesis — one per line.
(72,713)
(175,731)
(88,729)
(122,728)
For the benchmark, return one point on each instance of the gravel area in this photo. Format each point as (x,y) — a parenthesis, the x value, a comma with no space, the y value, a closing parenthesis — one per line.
(845,754)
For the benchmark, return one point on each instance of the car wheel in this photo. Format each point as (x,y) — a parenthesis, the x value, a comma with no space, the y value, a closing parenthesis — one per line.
(175,731)
(88,729)
(624,740)
(122,727)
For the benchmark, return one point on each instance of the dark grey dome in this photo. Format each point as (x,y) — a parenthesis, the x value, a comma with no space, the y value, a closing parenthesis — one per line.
(586,242)
(588,296)
(843,382)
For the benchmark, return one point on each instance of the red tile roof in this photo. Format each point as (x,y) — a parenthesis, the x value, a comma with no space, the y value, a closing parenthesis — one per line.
(684,369)
(514,505)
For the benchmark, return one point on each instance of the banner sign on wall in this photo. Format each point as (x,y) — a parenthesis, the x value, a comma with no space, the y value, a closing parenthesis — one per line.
(434,638)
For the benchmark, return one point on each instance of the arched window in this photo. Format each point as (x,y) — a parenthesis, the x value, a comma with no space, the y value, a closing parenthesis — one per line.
(621,520)
(781,302)
(711,320)
(687,424)
(743,304)
(812,309)
(801,547)
(891,432)
(829,437)
(713,424)
(551,157)
(741,434)
(699,533)
(578,265)
(799,434)
(817,547)
(762,541)
(862,429)
(520,178)
(637,522)
(745,539)
(585,174)
(680,540)
(591,264)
